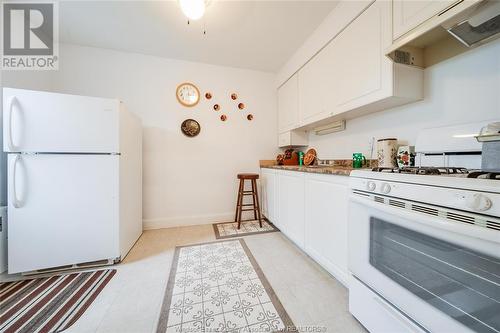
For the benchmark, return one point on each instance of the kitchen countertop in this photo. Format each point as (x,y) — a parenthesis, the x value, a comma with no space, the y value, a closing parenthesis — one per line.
(330,170)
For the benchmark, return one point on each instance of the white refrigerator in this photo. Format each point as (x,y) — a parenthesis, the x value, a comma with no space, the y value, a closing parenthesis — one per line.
(74,180)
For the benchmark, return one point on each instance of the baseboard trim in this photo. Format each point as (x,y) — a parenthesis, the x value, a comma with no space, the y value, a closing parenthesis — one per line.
(183,221)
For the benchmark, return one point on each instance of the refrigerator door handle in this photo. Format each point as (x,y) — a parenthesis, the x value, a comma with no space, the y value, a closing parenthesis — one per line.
(15,202)
(10,141)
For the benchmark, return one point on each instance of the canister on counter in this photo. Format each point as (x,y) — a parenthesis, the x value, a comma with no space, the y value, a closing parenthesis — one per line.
(386,152)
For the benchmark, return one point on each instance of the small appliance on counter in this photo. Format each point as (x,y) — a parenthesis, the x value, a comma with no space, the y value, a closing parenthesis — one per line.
(490,138)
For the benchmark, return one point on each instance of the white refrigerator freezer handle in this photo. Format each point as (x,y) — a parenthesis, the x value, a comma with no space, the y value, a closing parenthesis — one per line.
(15,202)
(10,141)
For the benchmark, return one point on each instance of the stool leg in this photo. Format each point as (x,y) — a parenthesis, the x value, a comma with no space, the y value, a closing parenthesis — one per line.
(241,203)
(238,201)
(254,191)
(257,199)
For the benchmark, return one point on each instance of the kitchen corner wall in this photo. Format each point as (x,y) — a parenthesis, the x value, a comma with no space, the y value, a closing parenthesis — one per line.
(185,180)
(462,89)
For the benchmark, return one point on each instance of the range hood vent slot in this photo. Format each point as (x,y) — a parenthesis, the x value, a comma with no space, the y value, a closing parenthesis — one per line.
(471,35)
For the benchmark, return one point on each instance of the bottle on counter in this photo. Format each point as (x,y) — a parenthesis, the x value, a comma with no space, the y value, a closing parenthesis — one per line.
(301,158)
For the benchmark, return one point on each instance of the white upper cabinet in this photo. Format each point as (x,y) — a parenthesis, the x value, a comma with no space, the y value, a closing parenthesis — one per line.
(351,75)
(288,105)
(359,58)
(410,13)
(317,87)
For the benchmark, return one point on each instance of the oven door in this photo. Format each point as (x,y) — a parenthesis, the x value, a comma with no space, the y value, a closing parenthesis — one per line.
(444,275)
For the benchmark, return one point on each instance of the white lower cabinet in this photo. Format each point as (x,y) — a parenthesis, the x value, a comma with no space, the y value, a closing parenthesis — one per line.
(291,205)
(268,184)
(311,210)
(326,205)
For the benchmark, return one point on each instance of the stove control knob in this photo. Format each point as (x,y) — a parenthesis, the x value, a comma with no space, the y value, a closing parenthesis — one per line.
(386,188)
(370,186)
(478,202)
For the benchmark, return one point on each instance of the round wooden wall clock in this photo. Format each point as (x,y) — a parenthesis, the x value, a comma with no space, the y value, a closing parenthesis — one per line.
(187,94)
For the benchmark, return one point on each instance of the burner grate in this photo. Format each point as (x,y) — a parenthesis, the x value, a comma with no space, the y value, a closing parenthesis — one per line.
(424,170)
(484,175)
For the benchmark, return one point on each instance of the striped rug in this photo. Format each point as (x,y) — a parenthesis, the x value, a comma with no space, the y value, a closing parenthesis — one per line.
(50,304)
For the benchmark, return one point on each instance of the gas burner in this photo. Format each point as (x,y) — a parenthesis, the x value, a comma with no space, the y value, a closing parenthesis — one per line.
(424,170)
(484,175)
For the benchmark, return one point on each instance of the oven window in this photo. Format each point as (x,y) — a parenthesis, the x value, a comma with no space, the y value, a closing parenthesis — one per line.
(460,282)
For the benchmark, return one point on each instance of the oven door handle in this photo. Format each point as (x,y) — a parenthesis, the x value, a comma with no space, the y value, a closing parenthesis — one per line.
(428,220)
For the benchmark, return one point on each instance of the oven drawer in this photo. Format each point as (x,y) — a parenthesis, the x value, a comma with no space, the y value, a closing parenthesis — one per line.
(375,313)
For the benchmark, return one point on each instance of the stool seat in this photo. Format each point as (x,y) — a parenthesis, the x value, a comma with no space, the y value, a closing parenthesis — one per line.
(248,176)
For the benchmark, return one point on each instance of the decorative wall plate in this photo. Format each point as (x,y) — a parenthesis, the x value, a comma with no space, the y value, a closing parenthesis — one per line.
(234,96)
(310,156)
(190,128)
(187,94)
(250,117)
(216,107)
(241,106)
(223,117)
(208,95)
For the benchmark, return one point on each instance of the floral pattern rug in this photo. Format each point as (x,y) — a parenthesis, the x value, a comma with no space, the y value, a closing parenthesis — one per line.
(252,227)
(219,287)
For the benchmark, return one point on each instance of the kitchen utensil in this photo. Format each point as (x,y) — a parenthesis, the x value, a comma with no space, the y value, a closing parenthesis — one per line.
(386,152)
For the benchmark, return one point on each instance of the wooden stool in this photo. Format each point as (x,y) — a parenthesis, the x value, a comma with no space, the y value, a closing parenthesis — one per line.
(255,198)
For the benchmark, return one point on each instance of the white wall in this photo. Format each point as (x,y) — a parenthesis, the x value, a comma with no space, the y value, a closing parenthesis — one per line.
(462,89)
(186,180)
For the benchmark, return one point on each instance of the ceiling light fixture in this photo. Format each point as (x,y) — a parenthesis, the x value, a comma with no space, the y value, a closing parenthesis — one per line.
(193,9)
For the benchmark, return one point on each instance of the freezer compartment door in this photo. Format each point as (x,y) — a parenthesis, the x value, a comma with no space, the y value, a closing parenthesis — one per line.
(36,121)
(63,210)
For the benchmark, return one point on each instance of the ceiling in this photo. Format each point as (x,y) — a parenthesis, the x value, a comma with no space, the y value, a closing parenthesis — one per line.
(260,35)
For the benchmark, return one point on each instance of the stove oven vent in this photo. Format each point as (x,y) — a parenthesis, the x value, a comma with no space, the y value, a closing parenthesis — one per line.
(445,213)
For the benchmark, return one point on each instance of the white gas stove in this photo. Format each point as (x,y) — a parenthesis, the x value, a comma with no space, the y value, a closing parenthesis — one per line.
(424,248)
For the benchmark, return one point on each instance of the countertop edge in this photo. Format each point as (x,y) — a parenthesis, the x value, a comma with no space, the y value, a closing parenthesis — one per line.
(336,171)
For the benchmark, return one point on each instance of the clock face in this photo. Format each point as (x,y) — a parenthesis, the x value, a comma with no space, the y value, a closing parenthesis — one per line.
(188,94)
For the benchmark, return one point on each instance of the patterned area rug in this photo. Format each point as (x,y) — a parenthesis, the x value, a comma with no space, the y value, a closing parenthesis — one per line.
(219,287)
(49,304)
(230,229)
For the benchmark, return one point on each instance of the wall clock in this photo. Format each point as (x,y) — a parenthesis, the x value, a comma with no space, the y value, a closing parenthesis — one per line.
(187,94)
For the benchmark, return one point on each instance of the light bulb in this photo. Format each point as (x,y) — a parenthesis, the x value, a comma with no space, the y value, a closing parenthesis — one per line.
(193,9)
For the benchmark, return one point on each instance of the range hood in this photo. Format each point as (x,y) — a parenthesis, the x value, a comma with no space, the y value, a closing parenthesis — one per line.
(457,29)
(482,26)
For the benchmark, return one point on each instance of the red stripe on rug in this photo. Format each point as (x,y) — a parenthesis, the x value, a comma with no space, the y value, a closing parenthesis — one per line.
(15,289)
(89,301)
(39,304)
(22,302)
(76,296)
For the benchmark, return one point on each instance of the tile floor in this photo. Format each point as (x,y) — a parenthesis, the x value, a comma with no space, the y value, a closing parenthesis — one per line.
(132,300)
(218,287)
(230,229)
